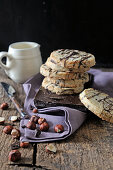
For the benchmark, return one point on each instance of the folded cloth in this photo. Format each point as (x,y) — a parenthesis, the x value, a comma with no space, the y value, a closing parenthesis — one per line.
(70,118)
(103,81)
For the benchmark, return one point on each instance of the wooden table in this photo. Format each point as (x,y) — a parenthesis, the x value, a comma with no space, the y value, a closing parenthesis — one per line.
(90,147)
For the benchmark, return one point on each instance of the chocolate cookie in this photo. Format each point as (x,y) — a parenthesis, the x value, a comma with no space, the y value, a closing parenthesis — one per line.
(99,103)
(72,58)
(69,83)
(54,88)
(48,72)
(53,65)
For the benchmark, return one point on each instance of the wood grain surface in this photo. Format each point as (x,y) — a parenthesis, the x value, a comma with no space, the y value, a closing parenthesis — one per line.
(89,148)
(6,140)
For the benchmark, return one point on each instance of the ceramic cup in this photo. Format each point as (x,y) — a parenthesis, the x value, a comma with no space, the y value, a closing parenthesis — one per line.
(23,60)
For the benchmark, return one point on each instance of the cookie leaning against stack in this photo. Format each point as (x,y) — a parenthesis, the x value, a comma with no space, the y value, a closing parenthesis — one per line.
(99,103)
(65,71)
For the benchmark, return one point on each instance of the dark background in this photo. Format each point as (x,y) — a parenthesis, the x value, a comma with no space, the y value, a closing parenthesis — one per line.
(54,24)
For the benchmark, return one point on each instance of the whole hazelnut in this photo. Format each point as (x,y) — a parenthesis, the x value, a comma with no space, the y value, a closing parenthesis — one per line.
(2,120)
(4,106)
(31,125)
(41,120)
(8,129)
(34,119)
(44,126)
(14,155)
(58,128)
(50,148)
(24,144)
(35,110)
(15,133)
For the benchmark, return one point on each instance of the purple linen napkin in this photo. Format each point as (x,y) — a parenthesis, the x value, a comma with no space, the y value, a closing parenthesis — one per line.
(103,81)
(71,119)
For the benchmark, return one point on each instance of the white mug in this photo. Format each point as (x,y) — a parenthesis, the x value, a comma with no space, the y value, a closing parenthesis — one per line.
(23,60)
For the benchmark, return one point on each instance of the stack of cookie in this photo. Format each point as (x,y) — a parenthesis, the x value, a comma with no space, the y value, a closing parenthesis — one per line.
(65,71)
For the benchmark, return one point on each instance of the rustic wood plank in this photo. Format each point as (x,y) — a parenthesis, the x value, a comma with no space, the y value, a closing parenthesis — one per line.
(6,140)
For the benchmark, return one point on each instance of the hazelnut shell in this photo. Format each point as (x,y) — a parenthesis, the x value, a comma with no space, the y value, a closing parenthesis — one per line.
(4,106)
(34,119)
(2,120)
(41,120)
(13,118)
(50,148)
(31,125)
(59,128)
(14,155)
(15,133)
(8,129)
(24,144)
(35,110)
(44,126)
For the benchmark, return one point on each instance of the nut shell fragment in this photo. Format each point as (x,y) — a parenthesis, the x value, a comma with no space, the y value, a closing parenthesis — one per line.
(2,120)
(51,148)
(14,118)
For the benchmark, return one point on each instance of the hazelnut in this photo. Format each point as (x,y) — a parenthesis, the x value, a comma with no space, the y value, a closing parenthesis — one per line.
(2,120)
(44,126)
(4,106)
(15,133)
(31,125)
(35,110)
(41,120)
(37,132)
(24,144)
(13,118)
(34,119)
(50,148)
(8,129)
(14,155)
(58,128)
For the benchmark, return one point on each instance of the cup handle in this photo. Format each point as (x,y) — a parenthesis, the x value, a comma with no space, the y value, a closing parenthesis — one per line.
(2,55)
